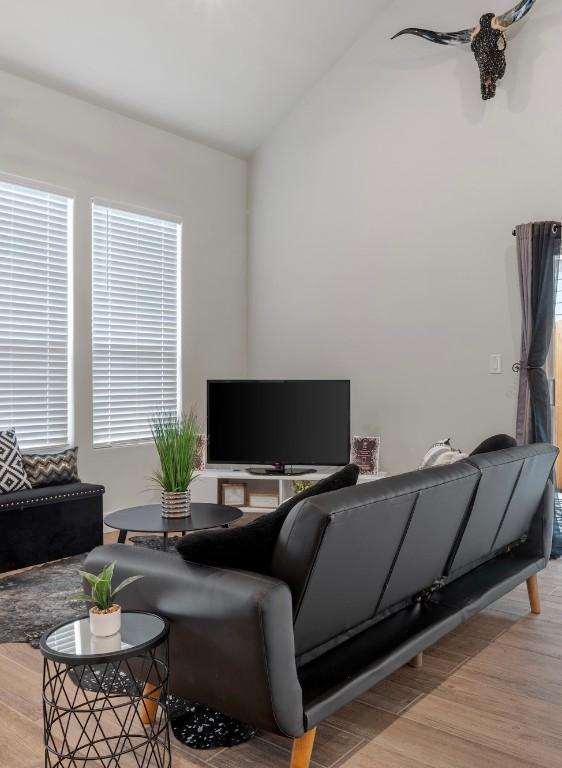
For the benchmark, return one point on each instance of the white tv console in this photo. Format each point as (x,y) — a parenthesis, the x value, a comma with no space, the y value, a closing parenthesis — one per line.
(206,487)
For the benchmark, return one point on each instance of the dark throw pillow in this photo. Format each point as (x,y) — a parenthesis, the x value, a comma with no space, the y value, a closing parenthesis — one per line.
(250,547)
(495,443)
(52,468)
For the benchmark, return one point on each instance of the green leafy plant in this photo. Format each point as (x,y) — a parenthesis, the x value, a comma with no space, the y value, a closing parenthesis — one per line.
(176,439)
(302,485)
(102,593)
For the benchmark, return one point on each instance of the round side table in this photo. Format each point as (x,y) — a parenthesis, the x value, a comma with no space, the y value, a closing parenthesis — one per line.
(148,519)
(104,698)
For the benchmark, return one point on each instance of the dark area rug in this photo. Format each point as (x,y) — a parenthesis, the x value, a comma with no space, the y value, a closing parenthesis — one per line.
(34,600)
(195,725)
(154,542)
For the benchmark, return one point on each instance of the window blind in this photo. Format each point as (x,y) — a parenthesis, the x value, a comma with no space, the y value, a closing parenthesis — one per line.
(135,323)
(34,315)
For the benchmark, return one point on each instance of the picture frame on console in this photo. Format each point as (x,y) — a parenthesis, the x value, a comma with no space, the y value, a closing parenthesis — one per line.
(365,452)
(234,494)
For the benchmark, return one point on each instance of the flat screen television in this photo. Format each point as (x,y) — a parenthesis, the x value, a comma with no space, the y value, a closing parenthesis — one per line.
(283,423)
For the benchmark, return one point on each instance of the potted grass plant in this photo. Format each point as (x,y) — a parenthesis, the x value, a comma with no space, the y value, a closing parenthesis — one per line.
(176,438)
(105,613)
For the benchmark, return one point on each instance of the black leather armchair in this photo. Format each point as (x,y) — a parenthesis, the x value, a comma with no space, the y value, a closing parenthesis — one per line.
(362,581)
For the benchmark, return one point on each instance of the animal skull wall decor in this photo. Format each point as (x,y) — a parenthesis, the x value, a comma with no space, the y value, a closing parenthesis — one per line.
(487,41)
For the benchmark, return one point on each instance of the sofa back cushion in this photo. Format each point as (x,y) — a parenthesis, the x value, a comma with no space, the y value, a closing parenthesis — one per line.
(509,494)
(354,554)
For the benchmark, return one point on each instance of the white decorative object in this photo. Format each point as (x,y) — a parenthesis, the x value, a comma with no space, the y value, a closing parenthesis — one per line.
(105,623)
(450,457)
(442,453)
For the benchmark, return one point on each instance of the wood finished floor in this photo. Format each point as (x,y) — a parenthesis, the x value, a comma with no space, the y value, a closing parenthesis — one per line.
(489,694)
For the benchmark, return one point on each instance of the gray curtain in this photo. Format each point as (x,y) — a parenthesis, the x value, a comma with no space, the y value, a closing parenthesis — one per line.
(524,233)
(538,245)
(538,248)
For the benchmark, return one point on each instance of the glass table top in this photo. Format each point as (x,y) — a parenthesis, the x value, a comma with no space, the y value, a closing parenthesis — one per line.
(76,640)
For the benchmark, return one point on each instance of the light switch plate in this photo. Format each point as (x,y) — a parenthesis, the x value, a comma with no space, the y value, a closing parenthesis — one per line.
(495,363)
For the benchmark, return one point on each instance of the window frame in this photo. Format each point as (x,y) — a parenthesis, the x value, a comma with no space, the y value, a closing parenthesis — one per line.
(169,218)
(70,196)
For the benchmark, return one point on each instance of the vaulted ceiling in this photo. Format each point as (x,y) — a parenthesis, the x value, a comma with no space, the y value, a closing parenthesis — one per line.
(221,71)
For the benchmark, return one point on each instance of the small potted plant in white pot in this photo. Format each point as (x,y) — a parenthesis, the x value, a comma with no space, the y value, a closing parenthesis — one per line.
(105,614)
(176,438)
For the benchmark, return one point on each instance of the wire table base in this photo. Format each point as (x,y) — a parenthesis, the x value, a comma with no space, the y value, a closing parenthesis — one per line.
(112,714)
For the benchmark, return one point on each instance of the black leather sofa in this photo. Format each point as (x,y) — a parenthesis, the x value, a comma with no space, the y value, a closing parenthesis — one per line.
(362,581)
(42,524)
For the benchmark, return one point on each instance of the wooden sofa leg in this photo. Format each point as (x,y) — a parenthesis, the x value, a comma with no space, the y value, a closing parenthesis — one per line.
(302,750)
(534,597)
(417,661)
(149,706)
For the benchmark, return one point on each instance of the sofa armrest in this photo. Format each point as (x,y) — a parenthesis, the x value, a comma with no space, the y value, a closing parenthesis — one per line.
(231,633)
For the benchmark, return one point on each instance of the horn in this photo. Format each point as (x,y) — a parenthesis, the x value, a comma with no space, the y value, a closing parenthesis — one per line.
(516,14)
(443,38)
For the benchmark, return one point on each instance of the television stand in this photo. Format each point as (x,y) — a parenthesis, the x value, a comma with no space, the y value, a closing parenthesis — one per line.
(279,469)
(273,489)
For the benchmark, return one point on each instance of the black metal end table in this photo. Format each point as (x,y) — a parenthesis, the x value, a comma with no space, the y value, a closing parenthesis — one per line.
(105,698)
(148,519)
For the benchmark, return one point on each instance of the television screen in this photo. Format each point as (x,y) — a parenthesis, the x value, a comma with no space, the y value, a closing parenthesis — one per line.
(278,422)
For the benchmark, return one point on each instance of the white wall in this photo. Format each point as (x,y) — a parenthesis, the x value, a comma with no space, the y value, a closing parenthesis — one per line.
(53,138)
(382,211)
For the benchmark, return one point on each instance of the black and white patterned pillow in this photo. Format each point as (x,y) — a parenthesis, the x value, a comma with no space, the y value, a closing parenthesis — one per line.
(12,472)
(51,468)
